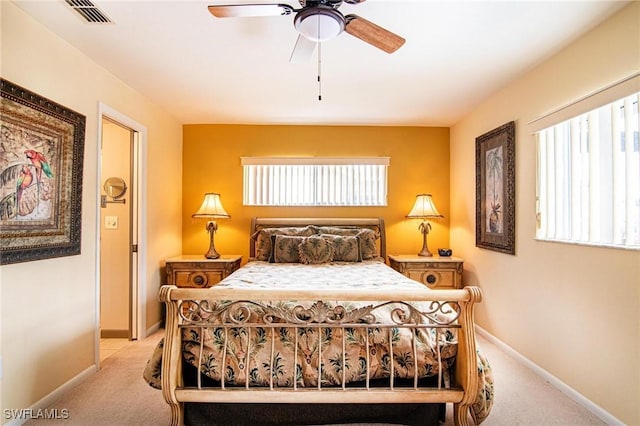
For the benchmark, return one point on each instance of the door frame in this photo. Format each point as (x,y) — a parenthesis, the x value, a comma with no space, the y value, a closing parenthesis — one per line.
(138,234)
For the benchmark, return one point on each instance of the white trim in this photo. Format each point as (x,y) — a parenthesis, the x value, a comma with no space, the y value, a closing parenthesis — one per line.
(155,327)
(592,407)
(283,161)
(593,100)
(56,394)
(588,244)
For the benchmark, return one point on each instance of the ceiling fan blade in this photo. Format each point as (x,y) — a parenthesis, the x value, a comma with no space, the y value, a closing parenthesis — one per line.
(303,50)
(242,10)
(373,34)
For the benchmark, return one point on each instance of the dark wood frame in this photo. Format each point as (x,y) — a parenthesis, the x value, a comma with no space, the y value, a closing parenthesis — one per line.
(495,199)
(33,123)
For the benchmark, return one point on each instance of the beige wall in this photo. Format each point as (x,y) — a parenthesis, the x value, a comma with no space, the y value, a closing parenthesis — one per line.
(211,163)
(572,310)
(49,307)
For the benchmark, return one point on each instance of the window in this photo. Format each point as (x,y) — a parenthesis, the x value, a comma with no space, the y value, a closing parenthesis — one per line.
(315,181)
(588,180)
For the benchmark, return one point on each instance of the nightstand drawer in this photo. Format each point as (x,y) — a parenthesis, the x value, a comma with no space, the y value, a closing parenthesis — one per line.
(197,279)
(194,271)
(433,278)
(434,272)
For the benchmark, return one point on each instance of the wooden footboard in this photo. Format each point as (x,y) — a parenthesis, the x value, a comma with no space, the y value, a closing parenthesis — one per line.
(194,309)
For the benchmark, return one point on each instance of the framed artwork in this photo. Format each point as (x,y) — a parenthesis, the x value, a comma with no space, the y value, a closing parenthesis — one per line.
(41,154)
(496,189)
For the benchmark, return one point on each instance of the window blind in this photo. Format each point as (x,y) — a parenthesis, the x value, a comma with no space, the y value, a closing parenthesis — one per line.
(315,181)
(588,180)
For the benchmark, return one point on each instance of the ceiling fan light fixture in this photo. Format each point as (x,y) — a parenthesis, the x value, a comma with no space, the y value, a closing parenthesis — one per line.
(319,23)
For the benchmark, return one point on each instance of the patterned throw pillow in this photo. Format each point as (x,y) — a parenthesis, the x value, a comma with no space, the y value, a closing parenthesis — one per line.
(481,407)
(335,230)
(345,248)
(285,249)
(368,237)
(368,249)
(263,239)
(315,249)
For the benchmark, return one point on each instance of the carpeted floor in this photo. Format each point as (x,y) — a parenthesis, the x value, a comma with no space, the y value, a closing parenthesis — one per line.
(118,396)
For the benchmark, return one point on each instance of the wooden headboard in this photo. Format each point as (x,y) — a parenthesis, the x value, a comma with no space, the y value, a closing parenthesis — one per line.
(375,223)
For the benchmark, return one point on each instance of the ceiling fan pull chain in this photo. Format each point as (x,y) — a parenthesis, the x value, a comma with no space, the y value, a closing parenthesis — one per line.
(319,71)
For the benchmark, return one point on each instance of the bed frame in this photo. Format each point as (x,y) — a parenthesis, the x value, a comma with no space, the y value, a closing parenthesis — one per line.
(183,311)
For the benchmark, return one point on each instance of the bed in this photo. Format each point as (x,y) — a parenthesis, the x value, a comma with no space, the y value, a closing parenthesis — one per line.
(316,323)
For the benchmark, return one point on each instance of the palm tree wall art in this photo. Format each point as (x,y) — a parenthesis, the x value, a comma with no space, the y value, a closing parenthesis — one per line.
(495,189)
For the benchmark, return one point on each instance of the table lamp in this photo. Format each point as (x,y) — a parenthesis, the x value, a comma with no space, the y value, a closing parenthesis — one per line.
(211,208)
(424,209)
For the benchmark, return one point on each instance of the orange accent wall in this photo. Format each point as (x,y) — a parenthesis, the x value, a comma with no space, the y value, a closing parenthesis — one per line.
(211,163)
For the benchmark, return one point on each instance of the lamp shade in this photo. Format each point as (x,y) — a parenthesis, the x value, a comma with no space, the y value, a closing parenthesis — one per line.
(211,207)
(424,207)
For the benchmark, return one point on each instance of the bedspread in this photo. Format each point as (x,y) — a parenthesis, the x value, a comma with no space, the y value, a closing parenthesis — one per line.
(281,356)
(367,276)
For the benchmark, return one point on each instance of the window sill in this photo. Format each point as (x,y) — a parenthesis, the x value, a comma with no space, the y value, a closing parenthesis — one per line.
(588,244)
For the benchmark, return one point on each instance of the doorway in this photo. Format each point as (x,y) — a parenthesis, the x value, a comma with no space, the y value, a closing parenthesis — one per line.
(120,311)
(117,253)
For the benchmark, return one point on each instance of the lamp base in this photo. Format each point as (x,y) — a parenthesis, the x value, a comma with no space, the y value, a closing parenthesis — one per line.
(425,252)
(212,253)
(425,227)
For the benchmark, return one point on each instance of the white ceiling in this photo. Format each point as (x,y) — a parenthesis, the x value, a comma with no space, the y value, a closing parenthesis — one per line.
(203,69)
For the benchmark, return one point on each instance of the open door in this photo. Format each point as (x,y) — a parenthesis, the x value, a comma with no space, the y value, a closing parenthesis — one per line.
(118,216)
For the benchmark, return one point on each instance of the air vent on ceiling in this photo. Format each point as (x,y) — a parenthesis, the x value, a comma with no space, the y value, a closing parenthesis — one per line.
(89,11)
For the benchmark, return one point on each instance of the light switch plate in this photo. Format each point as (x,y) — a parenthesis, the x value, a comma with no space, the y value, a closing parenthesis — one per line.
(111,222)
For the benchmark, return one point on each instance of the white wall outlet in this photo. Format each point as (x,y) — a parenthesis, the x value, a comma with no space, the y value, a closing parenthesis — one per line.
(111,222)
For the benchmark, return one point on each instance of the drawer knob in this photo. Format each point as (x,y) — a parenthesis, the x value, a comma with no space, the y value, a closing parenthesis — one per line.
(199,279)
(431,279)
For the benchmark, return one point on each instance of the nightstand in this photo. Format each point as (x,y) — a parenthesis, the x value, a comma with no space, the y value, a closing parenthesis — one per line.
(434,272)
(196,271)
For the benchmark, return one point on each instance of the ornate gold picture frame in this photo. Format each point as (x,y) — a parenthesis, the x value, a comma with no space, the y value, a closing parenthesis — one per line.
(42,148)
(496,189)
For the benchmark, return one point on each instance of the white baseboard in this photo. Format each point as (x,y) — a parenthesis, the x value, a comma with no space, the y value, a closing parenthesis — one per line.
(53,396)
(594,408)
(155,327)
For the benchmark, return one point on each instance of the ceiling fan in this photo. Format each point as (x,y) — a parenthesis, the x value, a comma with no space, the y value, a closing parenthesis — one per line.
(317,21)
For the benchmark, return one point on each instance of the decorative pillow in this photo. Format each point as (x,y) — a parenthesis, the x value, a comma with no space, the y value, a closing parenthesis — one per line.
(315,249)
(345,248)
(263,239)
(285,249)
(368,249)
(481,407)
(335,230)
(367,236)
